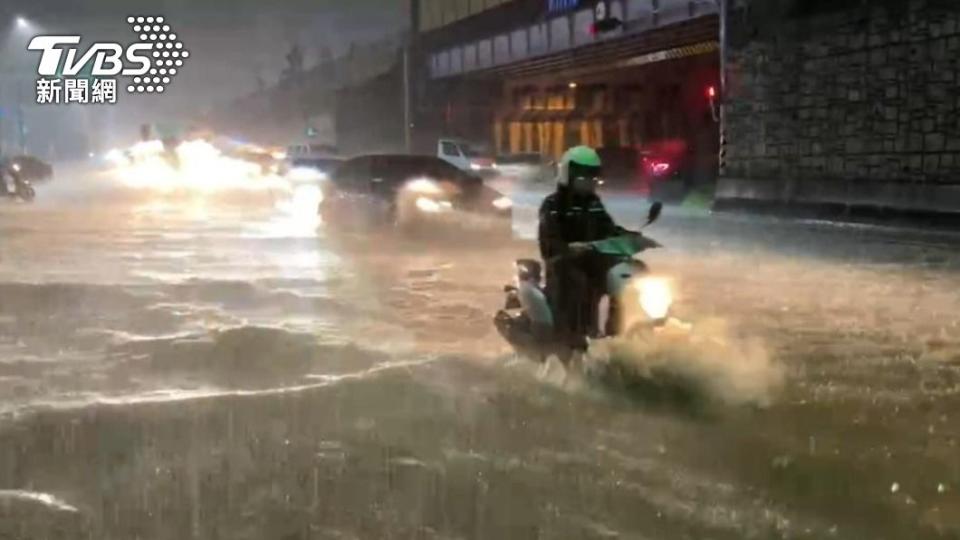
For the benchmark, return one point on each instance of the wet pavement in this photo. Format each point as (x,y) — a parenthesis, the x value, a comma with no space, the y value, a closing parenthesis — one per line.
(227,367)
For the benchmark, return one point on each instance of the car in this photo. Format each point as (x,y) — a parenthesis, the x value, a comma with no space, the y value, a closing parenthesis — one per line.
(270,161)
(312,150)
(306,169)
(466,157)
(32,168)
(410,191)
(652,170)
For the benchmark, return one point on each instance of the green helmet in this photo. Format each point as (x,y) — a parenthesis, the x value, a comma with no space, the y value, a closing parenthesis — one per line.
(578,159)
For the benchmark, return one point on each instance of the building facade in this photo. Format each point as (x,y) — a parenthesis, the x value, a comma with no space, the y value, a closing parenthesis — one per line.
(539,76)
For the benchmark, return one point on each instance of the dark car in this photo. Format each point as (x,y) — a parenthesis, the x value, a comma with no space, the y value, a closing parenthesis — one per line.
(409,190)
(31,168)
(652,170)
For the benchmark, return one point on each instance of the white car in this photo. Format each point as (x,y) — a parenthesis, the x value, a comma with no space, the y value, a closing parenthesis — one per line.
(312,151)
(466,157)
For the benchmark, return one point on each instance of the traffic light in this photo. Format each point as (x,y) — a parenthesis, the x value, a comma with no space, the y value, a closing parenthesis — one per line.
(714,107)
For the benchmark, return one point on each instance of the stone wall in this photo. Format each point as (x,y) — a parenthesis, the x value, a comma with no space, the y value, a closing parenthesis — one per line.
(845,102)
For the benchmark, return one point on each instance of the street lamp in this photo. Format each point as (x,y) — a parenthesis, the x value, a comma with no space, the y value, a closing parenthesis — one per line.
(23,27)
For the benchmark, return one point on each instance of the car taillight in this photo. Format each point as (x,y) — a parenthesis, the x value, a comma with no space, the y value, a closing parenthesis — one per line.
(660,167)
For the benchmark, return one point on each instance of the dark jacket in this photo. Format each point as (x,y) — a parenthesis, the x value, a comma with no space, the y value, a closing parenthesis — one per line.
(566,217)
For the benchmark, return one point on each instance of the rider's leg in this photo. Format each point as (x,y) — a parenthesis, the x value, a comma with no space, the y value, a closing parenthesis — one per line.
(568,286)
(596,268)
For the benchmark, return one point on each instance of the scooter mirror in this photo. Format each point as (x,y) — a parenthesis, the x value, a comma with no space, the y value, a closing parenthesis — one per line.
(655,211)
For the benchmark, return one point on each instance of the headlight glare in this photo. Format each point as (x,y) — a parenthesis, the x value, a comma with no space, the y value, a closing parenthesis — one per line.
(503,203)
(655,297)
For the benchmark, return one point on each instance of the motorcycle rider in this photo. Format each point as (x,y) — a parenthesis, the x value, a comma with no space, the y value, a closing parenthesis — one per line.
(570,218)
(18,186)
(6,169)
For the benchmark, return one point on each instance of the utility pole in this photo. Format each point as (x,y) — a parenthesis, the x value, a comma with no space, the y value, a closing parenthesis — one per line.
(413,31)
(724,14)
(406,98)
(3,112)
(21,124)
(722,157)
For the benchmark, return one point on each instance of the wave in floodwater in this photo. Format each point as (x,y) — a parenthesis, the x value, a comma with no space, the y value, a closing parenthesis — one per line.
(8,496)
(686,365)
(707,359)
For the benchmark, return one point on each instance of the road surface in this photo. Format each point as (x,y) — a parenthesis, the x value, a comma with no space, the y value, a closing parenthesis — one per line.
(225,367)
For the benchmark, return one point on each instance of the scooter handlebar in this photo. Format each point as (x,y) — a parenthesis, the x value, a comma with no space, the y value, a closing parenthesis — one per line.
(625,245)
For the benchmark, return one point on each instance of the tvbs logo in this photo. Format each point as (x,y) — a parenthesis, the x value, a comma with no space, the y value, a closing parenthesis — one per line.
(66,76)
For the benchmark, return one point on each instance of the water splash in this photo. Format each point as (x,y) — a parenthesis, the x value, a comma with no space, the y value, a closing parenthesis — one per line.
(706,359)
(44,499)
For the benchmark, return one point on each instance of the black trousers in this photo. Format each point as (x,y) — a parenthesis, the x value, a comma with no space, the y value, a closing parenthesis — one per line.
(575,286)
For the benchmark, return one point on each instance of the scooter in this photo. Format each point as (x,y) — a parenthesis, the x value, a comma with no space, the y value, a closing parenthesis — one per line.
(22,188)
(634,302)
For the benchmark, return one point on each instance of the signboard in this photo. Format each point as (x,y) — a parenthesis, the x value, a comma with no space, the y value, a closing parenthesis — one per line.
(555,6)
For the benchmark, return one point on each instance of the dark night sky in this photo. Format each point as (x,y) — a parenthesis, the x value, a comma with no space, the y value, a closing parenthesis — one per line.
(230,40)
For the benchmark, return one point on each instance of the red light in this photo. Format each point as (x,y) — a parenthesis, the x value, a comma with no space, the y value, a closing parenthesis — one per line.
(711,92)
(593,29)
(661,167)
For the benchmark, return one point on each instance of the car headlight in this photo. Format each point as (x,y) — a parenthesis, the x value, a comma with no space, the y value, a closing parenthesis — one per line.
(425,186)
(16,167)
(476,166)
(432,206)
(655,297)
(305,174)
(503,203)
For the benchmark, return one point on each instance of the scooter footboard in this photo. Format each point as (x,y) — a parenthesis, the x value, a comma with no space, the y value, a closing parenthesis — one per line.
(527,337)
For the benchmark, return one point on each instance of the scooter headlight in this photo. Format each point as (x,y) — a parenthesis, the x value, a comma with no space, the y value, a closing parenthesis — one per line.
(655,297)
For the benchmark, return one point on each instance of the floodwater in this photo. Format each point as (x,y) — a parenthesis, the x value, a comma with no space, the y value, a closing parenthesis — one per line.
(226,367)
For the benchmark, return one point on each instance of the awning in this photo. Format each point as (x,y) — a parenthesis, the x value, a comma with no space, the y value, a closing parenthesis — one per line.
(549,116)
(690,38)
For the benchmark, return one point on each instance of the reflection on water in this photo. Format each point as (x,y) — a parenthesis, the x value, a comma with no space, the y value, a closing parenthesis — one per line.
(298,215)
(42,498)
(225,368)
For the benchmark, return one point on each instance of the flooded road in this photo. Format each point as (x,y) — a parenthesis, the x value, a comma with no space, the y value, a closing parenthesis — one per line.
(224,367)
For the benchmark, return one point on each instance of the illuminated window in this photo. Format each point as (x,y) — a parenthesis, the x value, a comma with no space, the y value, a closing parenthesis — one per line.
(539,101)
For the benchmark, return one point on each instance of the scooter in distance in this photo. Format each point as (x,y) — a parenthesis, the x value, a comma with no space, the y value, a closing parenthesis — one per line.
(22,188)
